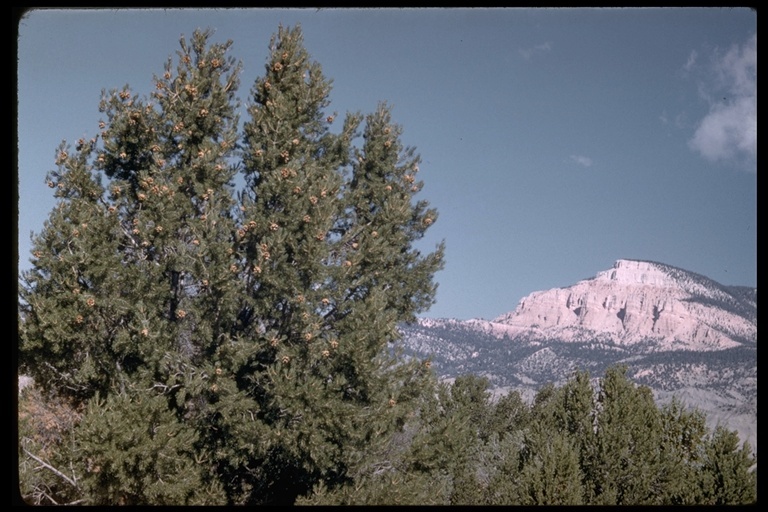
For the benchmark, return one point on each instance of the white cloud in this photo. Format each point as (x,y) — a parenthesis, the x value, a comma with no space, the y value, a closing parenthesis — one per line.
(737,69)
(582,160)
(729,131)
(527,53)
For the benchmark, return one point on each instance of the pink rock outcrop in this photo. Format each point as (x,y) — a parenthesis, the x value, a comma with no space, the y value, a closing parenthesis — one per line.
(632,302)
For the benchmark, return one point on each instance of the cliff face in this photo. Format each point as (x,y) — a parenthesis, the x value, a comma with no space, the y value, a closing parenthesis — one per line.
(680,333)
(639,301)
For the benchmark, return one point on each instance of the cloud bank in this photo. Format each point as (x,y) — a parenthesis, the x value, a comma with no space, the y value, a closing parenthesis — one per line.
(729,131)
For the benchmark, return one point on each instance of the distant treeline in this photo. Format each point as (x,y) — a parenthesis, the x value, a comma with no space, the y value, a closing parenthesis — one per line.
(591,442)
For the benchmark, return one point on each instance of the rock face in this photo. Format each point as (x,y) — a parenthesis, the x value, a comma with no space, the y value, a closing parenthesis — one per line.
(679,333)
(640,302)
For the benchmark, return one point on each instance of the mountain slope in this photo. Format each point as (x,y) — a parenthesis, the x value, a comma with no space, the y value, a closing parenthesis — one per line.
(640,301)
(678,332)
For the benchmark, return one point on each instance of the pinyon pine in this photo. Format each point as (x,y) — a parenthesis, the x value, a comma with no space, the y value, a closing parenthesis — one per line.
(218,301)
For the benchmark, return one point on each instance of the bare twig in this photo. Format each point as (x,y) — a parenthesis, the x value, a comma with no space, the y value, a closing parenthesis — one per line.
(51,468)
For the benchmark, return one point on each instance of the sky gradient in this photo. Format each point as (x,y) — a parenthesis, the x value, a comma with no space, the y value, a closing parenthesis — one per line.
(554,141)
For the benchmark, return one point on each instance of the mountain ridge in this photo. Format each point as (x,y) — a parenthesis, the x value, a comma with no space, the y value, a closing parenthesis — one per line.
(680,333)
(636,301)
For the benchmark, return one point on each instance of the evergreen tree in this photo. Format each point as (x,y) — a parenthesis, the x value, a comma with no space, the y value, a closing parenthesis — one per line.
(626,459)
(470,399)
(412,468)
(70,308)
(253,330)
(549,469)
(580,423)
(510,414)
(135,451)
(728,471)
(548,466)
(131,292)
(327,286)
(682,449)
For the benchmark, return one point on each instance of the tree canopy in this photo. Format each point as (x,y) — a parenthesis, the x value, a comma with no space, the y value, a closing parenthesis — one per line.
(254,324)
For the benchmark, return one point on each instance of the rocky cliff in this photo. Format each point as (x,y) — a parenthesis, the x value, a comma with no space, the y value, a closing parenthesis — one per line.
(639,302)
(680,333)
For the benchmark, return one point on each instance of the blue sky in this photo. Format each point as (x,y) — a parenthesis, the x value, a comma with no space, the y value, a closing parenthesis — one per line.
(554,141)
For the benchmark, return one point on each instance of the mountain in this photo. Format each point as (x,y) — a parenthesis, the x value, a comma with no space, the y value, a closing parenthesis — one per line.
(680,333)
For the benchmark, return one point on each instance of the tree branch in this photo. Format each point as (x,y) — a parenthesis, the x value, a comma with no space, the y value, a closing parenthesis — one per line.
(51,468)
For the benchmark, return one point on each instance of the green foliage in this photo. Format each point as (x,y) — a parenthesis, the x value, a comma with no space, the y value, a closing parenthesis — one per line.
(409,489)
(550,473)
(682,443)
(729,473)
(251,328)
(600,441)
(135,452)
(44,427)
(509,415)
(627,456)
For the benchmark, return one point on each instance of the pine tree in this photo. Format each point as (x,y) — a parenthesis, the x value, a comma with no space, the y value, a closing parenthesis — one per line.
(510,415)
(626,457)
(470,400)
(728,474)
(576,416)
(682,449)
(69,308)
(135,451)
(130,291)
(254,327)
(549,469)
(327,287)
